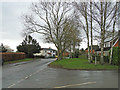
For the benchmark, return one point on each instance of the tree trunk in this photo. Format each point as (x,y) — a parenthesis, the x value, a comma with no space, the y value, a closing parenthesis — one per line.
(88,47)
(70,54)
(102,36)
(114,23)
(87,32)
(59,54)
(111,53)
(91,33)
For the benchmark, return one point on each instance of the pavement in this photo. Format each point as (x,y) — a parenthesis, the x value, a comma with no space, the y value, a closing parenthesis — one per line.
(37,74)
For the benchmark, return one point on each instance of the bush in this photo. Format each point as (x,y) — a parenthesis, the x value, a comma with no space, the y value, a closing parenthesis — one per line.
(76,54)
(106,59)
(30,55)
(116,56)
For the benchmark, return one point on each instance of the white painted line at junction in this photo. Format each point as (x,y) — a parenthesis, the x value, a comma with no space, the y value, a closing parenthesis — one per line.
(11,85)
(20,81)
(75,85)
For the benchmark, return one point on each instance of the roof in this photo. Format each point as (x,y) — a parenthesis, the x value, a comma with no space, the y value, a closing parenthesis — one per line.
(50,49)
(117,35)
(95,47)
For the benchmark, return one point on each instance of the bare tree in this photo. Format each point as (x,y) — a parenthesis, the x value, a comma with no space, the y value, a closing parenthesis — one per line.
(52,20)
(91,21)
(113,31)
(104,17)
(75,41)
(71,35)
(82,8)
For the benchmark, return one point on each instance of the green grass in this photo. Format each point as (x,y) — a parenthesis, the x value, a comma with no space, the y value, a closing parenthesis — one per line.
(16,61)
(79,63)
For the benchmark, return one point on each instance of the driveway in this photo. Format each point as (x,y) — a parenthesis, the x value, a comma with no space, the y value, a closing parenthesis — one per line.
(38,75)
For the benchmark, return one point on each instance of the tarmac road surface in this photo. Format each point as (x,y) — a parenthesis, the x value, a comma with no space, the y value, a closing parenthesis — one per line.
(37,74)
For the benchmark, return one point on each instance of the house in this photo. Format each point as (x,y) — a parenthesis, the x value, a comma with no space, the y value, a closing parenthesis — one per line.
(116,41)
(108,44)
(95,48)
(46,52)
(65,54)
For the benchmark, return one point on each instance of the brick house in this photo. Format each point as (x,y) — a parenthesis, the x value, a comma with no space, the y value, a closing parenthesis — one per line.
(108,44)
(95,48)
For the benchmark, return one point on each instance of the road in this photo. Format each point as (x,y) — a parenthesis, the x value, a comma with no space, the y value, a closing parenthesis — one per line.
(38,75)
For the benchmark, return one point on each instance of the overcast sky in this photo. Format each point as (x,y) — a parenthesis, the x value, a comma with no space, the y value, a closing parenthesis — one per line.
(11,26)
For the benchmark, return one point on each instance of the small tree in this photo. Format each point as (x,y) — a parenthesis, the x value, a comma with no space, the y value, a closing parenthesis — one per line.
(76,53)
(2,48)
(29,46)
(82,11)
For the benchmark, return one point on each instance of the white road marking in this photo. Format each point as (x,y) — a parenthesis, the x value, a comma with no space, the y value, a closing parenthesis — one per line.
(75,85)
(11,85)
(20,81)
(28,76)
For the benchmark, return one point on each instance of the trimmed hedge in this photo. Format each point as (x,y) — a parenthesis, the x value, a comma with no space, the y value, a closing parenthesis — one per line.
(11,56)
(116,56)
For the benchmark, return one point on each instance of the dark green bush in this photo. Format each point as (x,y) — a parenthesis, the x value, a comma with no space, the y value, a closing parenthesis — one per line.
(30,55)
(76,54)
(106,59)
(116,56)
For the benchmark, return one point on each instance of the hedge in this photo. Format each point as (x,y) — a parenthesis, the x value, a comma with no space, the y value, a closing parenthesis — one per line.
(116,56)
(11,56)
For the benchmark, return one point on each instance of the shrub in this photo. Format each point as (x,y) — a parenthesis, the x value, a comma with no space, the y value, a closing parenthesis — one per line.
(106,59)
(76,54)
(116,56)
(30,55)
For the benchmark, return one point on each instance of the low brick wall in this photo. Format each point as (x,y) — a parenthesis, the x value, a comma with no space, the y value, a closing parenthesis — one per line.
(12,56)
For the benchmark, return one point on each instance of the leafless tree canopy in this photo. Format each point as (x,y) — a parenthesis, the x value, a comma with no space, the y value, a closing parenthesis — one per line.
(96,16)
(53,20)
(61,24)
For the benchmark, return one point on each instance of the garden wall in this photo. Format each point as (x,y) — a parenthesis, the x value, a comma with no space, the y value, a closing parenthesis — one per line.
(11,56)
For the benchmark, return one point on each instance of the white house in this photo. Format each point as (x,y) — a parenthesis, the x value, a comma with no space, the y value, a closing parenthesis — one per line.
(46,52)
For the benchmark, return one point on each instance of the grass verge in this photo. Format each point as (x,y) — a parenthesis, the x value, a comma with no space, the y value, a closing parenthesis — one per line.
(17,61)
(80,64)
